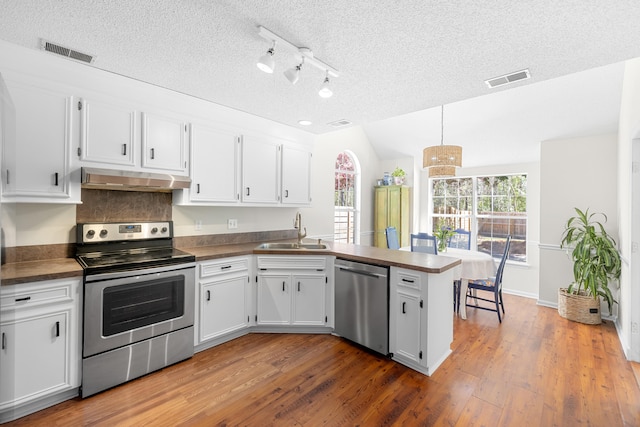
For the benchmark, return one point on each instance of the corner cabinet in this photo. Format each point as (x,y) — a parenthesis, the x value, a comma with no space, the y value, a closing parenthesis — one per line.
(36,158)
(294,293)
(40,352)
(391,209)
(420,318)
(225,301)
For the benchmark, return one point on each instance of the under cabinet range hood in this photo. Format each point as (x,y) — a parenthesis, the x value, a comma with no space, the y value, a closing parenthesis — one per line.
(108,179)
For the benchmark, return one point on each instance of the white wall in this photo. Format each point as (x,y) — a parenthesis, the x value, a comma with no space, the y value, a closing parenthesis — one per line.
(578,172)
(628,180)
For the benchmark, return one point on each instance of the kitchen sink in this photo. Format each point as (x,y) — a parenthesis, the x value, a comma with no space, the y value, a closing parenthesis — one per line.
(292,245)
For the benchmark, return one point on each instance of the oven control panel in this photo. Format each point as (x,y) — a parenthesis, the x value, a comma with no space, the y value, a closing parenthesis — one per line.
(118,231)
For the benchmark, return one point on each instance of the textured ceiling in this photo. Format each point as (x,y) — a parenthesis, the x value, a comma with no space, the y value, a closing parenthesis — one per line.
(395,57)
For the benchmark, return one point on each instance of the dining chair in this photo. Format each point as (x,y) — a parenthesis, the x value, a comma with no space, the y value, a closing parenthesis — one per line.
(460,240)
(423,242)
(491,284)
(392,238)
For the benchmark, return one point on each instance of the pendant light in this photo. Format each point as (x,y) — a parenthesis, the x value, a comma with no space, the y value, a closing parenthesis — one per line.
(442,160)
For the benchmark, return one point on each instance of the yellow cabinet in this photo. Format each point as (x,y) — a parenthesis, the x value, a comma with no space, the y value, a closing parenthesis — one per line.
(391,204)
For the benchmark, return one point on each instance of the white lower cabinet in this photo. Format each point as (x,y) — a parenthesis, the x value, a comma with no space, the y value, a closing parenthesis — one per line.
(420,318)
(40,351)
(226,302)
(293,291)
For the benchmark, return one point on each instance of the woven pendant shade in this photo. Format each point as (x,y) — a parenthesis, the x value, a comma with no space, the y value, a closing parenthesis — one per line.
(442,160)
(442,171)
(442,155)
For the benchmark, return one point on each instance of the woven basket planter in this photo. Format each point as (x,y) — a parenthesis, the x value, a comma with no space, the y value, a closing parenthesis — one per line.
(579,308)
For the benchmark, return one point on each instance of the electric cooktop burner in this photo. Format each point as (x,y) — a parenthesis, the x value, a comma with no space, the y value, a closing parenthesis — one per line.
(108,247)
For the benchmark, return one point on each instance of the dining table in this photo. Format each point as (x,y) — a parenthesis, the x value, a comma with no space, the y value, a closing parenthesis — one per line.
(475,265)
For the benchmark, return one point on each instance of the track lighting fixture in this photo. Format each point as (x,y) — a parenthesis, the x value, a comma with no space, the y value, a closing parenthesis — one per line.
(293,74)
(266,62)
(325,92)
(305,55)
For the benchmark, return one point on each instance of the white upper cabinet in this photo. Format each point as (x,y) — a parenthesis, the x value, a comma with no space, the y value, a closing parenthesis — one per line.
(107,133)
(260,166)
(296,174)
(36,161)
(164,143)
(214,165)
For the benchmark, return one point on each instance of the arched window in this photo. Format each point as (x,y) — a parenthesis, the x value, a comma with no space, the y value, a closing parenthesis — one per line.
(347,199)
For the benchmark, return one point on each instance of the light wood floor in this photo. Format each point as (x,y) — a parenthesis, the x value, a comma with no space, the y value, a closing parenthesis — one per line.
(535,369)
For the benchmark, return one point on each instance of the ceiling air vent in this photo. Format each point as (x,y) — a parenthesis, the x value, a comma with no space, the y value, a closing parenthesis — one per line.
(65,51)
(508,78)
(339,123)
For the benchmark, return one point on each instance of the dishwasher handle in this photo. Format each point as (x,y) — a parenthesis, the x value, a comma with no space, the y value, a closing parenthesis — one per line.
(361,272)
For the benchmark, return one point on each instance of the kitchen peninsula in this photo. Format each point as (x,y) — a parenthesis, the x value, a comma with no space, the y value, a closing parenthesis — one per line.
(420,317)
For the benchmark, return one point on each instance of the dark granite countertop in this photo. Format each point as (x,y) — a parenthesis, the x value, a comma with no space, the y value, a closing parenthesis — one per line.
(59,268)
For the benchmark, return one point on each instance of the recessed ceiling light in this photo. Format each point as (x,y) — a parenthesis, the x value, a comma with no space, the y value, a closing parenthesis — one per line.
(305,122)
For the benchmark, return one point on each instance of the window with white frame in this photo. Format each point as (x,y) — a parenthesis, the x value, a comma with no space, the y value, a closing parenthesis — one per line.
(490,207)
(346,199)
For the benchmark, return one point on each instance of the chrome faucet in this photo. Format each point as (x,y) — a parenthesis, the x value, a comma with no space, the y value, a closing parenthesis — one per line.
(298,226)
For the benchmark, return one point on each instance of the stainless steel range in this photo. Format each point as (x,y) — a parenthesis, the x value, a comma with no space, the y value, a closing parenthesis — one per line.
(138,301)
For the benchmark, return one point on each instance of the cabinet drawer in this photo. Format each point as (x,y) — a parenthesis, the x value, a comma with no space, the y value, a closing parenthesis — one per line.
(29,295)
(410,280)
(292,262)
(223,266)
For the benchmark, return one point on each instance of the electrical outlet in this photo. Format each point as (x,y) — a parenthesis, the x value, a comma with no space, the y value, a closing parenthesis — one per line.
(198,224)
(232,223)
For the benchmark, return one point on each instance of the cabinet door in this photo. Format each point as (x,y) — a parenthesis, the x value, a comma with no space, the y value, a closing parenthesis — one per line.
(164,143)
(107,133)
(260,165)
(381,200)
(223,307)
(34,357)
(296,176)
(36,163)
(309,299)
(407,326)
(274,299)
(214,165)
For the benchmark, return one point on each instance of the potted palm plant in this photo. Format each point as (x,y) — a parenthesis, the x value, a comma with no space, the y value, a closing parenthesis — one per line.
(596,263)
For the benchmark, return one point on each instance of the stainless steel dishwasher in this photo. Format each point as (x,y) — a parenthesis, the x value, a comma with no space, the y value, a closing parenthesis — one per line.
(362,304)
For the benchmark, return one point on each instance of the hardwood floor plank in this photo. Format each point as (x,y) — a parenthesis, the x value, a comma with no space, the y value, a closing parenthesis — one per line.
(533,369)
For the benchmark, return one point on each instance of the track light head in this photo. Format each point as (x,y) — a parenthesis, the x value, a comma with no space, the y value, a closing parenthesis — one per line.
(293,74)
(266,62)
(325,91)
